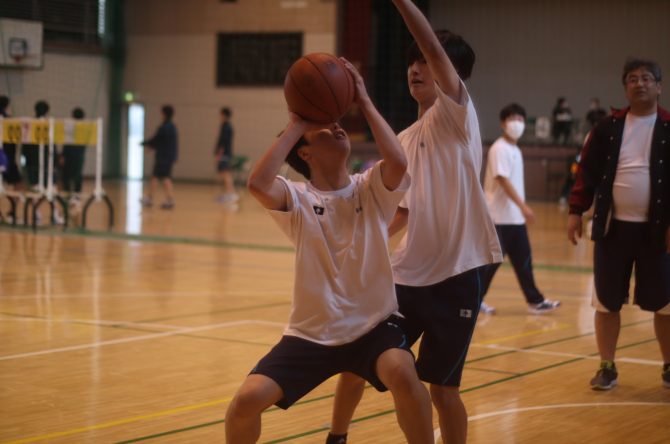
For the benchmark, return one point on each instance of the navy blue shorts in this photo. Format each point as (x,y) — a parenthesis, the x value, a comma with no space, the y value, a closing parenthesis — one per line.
(627,244)
(223,164)
(446,314)
(298,366)
(163,169)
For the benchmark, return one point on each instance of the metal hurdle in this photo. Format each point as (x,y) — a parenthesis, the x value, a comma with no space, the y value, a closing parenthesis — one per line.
(51,132)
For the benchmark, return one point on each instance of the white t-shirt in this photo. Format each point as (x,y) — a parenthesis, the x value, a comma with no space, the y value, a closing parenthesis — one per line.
(343,278)
(504,159)
(632,184)
(449,229)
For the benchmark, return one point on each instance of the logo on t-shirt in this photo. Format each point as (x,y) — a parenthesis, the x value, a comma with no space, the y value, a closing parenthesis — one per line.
(466,313)
(318,210)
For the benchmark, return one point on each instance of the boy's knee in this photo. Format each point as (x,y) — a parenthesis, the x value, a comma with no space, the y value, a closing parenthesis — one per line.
(401,378)
(445,395)
(247,403)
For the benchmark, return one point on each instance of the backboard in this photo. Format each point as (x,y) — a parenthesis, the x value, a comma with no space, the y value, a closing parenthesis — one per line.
(20,43)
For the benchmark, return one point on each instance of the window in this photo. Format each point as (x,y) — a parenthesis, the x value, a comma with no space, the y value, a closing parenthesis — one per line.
(77,23)
(256,59)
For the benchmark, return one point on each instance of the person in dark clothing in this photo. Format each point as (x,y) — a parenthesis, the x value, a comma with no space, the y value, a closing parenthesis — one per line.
(12,173)
(223,154)
(164,144)
(31,154)
(73,162)
(595,114)
(562,122)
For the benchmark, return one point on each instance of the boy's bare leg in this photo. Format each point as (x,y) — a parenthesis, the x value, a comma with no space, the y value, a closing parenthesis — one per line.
(243,418)
(451,412)
(348,394)
(168,188)
(662,329)
(395,368)
(228,183)
(153,187)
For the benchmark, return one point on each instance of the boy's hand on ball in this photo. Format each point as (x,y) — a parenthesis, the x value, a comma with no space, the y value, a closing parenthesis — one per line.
(359,83)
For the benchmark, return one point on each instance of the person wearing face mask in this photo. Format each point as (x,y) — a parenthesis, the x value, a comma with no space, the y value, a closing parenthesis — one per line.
(505,198)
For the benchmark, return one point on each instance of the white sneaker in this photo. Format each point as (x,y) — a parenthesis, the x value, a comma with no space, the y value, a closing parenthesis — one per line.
(544,306)
(486,309)
(228,198)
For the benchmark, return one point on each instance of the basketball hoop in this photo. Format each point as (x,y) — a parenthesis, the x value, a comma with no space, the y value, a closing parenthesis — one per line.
(18,49)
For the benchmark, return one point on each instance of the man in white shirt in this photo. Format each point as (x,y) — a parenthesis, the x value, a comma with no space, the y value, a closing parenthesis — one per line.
(625,173)
(343,316)
(506,201)
(450,236)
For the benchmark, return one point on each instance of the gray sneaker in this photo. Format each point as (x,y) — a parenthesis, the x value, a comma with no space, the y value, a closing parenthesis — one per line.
(605,378)
(167,205)
(544,306)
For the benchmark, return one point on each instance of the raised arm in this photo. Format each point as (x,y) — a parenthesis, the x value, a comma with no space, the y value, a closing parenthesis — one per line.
(394,162)
(263,183)
(440,66)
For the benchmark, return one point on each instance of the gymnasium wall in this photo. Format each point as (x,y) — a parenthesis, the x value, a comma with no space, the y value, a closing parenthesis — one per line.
(66,81)
(532,51)
(171,58)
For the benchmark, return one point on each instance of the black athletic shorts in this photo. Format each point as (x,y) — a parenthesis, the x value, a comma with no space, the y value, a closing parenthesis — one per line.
(163,169)
(223,164)
(627,244)
(298,366)
(446,314)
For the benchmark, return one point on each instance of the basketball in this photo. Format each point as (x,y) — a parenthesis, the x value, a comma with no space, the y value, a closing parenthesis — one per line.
(319,88)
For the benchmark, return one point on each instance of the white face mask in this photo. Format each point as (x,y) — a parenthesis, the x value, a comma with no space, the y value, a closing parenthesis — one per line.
(514,129)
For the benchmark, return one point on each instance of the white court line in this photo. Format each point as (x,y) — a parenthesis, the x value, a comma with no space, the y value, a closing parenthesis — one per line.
(437,433)
(138,338)
(565,355)
(94,322)
(181,294)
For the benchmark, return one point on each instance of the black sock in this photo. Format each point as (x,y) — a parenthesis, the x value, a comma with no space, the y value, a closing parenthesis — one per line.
(336,439)
(666,367)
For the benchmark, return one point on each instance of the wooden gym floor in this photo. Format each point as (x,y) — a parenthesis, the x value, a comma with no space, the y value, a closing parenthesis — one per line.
(144,334)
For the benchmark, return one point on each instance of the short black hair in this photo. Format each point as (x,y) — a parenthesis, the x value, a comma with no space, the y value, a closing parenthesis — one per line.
(634,63)
(78,113)
(226,111)
(4,103)
(460,53)
(510,110)
(41,108)
(168,111)
(297,162)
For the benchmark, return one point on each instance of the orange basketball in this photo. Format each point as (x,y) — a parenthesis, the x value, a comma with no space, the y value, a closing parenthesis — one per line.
(319,88)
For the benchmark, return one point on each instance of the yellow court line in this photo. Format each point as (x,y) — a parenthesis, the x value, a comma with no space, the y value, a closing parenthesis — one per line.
(117,422)
(524,334)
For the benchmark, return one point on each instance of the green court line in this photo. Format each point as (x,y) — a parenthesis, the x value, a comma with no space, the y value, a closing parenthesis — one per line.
(365,418)
(151,238)
(486,370)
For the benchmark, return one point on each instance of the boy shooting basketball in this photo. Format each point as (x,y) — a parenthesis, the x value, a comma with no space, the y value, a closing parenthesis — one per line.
(342,318)
(450,236)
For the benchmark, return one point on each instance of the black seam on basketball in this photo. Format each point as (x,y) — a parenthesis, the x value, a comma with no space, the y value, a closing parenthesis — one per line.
(329,88)
(295,86)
